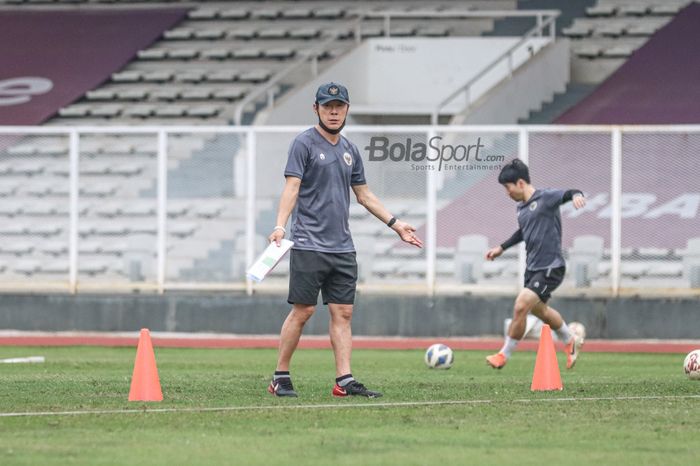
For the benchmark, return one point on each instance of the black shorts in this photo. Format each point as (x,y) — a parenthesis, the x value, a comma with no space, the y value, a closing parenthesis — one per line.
(334,274)
(543,282)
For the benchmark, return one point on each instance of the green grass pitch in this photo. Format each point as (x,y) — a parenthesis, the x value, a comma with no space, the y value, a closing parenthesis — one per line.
(500,422)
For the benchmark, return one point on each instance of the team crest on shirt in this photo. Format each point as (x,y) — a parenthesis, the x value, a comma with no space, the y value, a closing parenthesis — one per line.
(348,159)
(322,156)
(537,284)
(533,206)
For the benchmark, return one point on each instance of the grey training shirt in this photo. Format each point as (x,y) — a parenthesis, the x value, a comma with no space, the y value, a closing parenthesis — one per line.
(327,172)
(540,223)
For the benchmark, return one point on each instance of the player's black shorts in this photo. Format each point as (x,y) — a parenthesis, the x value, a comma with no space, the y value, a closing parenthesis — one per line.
(543,282)
(334,274)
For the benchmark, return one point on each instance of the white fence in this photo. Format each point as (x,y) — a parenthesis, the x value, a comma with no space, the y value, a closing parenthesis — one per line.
(168,208)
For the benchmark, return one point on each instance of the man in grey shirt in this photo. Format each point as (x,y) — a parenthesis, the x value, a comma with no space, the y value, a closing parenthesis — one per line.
(322,168)
(540,228)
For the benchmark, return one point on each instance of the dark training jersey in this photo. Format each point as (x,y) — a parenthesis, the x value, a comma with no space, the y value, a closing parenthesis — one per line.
(320,219)
(540,224)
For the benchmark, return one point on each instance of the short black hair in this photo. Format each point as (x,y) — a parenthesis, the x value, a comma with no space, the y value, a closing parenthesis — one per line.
(514,171)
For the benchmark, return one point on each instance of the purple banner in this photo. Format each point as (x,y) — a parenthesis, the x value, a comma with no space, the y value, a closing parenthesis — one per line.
(658,84)
(52,58)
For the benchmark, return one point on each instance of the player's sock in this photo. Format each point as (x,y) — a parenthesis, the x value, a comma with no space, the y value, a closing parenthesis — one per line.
(509,347)
(281,375)
(343,380)
(563,333)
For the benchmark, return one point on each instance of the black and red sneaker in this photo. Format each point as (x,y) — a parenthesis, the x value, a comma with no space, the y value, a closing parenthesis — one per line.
(354,388)
(282,387)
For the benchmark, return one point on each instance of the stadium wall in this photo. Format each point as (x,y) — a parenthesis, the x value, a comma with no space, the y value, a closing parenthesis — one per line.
(375,315)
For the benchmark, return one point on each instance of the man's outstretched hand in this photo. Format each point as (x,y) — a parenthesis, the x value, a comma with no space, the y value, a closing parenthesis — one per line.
(407,233)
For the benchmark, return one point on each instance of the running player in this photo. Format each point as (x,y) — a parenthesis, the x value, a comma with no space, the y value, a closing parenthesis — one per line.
(540,228)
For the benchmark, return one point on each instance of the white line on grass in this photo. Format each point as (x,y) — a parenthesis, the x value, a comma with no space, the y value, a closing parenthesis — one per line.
(398,404)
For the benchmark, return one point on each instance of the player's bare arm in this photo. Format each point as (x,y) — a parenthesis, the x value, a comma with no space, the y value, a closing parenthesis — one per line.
(370,202)
(287,202)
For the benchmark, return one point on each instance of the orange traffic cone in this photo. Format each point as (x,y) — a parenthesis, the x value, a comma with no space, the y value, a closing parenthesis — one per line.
(145,385)
(546,376)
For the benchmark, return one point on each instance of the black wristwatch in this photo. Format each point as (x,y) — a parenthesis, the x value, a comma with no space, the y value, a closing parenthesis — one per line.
(391,222)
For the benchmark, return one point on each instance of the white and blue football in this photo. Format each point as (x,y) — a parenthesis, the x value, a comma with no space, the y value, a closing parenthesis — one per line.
(439,356)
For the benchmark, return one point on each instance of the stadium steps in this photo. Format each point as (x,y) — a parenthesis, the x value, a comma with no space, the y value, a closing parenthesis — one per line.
(561,102)
(570,10)
(215,267)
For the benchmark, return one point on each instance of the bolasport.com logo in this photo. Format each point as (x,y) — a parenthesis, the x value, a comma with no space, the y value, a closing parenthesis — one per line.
(435,155)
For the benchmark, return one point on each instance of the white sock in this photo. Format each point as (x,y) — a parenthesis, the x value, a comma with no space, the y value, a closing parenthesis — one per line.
(509,347)
(563,333)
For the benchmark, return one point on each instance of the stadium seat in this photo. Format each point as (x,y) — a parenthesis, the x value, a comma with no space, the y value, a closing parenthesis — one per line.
(152,54)
(691,262)
(304,33)
(254,76)
(588,51)
(469,258)
(26,267)
(100,94)
(242,34)
(160,76)
(280,53)
(297,13)
(182,54)
(228,94)
(435,31)
(209,34)
(54,267)
(329,13)
(195,93)
(127,77)
(178,34)
(203,111)
(272,33)
(108,110)
(215,54)
(138,210)
(642,29)
(661,9)
(265,13)
(93,268)
(578,30)
(45,229)
(139,111)
(584,257)
(17,248)
(634,270)
(222,76)
(618,51)
(182,230)
(132,94)
(167,94)
(601,10)
(234,13)
(203,13)
(55,248)
(246,53)
(611,29)
(633,9)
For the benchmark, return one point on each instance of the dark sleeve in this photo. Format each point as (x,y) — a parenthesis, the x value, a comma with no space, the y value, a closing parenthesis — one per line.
(513,240)
(569,195)
(358,169)
(296,159)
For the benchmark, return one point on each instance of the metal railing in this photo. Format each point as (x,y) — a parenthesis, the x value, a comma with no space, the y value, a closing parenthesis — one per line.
(543,18)
(610,164)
